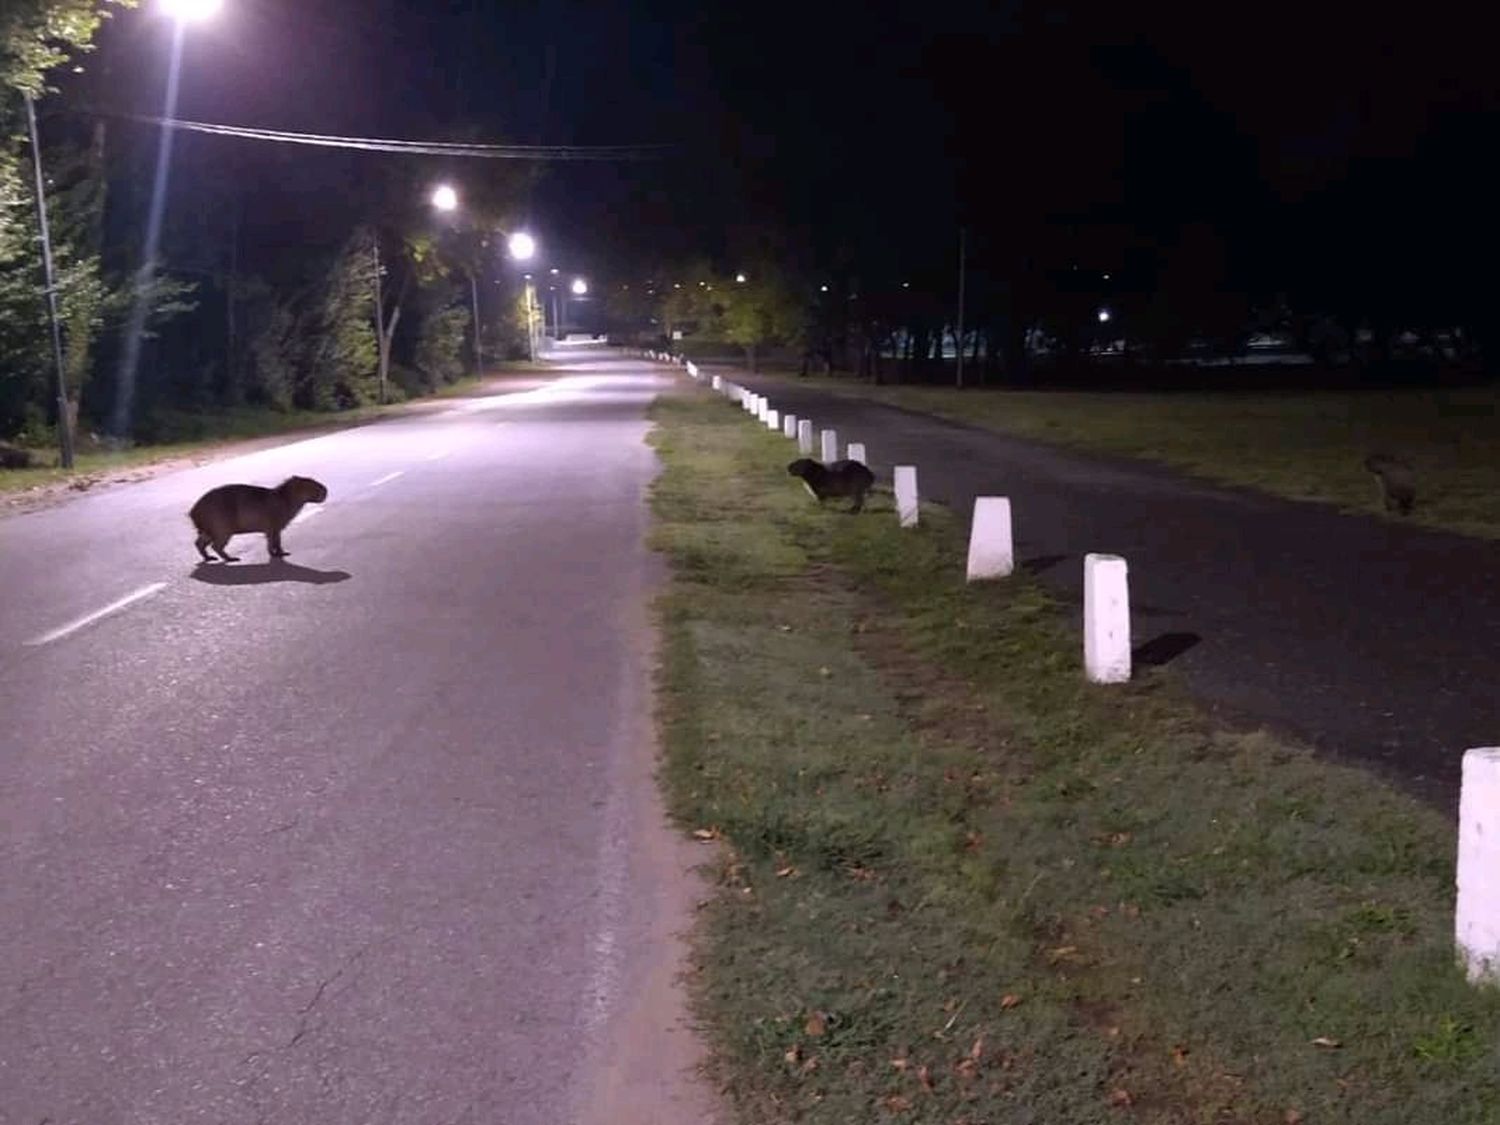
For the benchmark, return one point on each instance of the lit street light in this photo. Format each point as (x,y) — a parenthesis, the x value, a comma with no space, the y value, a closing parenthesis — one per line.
(1103,316)
(182,13)
(741,278)
(191,11)
(521,246)
(444,198)
(580,287)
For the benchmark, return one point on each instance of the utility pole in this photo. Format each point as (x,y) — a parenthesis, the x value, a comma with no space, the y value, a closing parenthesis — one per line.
(478,354)
(379,315)
(64,423)
(960,336)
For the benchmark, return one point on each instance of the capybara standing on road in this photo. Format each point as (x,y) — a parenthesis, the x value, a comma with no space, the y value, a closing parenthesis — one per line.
(236,509)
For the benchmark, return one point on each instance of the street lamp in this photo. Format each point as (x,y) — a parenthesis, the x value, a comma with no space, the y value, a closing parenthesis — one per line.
(182,13)
(191,11)
(580,287)
(740,278)
(1104,315)
(445,199)
(522,248)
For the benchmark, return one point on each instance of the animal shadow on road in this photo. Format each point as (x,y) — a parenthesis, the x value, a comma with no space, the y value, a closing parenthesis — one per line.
(1163,649)
(256,574)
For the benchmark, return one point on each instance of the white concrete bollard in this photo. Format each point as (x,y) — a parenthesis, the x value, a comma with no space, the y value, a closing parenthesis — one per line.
(991,548)
(765,409)
(1106,619)
(804,437)
(1477,916)
(718,382)
(773,419)
(789,425)
(830,446)
(907,505)
(857,452)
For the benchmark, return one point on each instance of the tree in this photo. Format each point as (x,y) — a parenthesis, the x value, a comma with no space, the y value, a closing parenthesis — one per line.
(759,312)
(343,352)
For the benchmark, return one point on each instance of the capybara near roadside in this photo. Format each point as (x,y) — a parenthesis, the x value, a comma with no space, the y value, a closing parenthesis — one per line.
(841,478)
(238,509)
(1398,482)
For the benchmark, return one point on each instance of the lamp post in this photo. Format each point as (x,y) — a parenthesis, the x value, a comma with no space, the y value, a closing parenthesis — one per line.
(445,199)
(182,13)
(64,422)
(522,248)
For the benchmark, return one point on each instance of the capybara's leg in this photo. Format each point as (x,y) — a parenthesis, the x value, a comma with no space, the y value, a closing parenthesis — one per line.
(219,545)
(273,545)
(201,543)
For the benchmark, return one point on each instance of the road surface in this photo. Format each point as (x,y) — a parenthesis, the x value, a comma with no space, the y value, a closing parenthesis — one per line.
(1372,641)
(365,837)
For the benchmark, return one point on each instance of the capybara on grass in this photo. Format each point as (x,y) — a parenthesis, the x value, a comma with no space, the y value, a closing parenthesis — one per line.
(239,509)
(841,478)
(1398,482)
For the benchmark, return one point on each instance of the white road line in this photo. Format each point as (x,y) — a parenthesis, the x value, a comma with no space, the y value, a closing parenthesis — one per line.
(438,456)
(74,626)
(387,478)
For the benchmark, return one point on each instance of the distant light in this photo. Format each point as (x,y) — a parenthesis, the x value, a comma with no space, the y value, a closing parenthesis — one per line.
(741,278)
(822,289)
(191,11)
(521,246)
(906,285)
(580,287)
(1103,315)
(444,198)
(1106,277)
(554,271)
(676,285)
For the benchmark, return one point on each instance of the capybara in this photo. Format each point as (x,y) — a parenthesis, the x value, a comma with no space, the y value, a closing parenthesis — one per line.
(841,478)
(1398,482)
(238,509)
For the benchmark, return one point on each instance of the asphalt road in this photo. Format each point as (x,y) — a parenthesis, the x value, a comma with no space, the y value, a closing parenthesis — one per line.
(367,836)
(1371,641)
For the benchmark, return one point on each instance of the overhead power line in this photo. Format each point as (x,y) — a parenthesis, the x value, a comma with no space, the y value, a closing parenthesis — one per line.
(411,148)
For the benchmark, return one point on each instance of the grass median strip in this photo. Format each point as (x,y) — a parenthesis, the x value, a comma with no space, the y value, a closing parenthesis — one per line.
(957,883)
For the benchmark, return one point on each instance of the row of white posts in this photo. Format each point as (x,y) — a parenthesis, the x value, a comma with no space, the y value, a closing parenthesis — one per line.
(1106,659)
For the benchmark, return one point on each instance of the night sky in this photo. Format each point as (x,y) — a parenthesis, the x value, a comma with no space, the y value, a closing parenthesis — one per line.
(1301,134)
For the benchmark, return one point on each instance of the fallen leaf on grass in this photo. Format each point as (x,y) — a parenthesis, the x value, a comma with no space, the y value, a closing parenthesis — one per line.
(824,672)
(1009,1000)
(705,834)
(1325,1041)
(793,1055)
(1120,1097)
(896,1103)
(1292,1117)
(902,1063)
(974,841)
(786,872)
(1179,1055)
(817,1024)
(1061,952)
